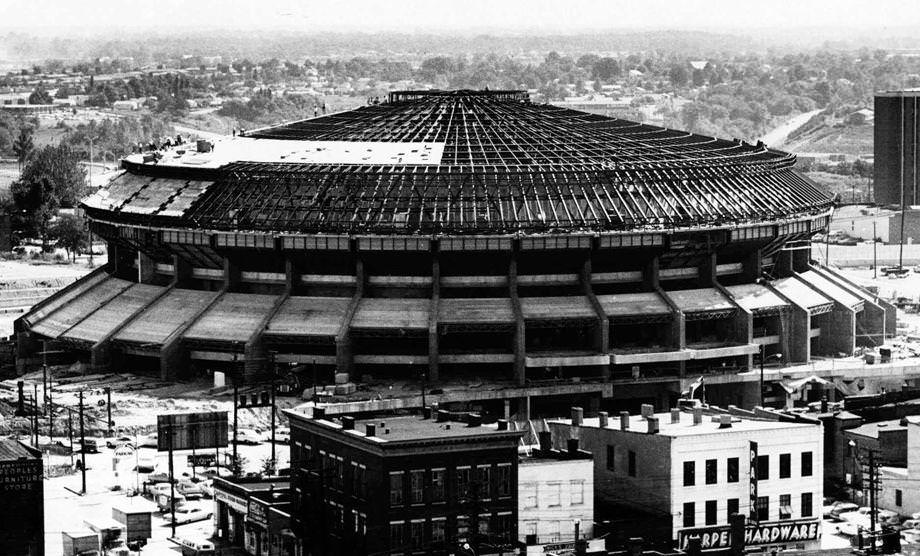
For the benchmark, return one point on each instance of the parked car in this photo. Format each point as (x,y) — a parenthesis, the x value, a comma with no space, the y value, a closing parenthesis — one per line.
(910,536)
(207,489)
(248,436)
(146,463)
(188,514)
(120,441)
(189,489)
(834,510)
(149,441)
(910,524)
(88,447)
(849,528)
(283,435)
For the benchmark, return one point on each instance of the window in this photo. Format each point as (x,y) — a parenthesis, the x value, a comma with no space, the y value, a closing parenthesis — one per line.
(711,512)
(552,530)
(504,479)
(611,457)
(504,527)
(416,486)
(463,527)
(712,471)
(763,468)
(482,524)
(806,504)
(578,492)
(785,466)
(417,533)
(530,495)
(689,473)
(806,464)
(631,469)
(463,482)
(437,484)
(397,533)
(397,497)
(358,480)
(689,514)
(361,524)
(785,506)
(552,493)
(898,497)
(484,482)
(732,475)
(763,508)
(438,528)
(530,527)
(732,507)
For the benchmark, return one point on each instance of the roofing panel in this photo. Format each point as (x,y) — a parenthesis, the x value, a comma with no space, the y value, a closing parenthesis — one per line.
(700,300)
(475,310)
(633,304)
(379,313)
(830,289)
(111,315)
(57,322)
(799,293)
(557,308)
(233,318)
(308,316)
(755,297)
(165,316)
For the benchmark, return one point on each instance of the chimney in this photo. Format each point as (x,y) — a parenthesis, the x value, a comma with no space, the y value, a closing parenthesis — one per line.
(371,430)
(572,445)
(443,416)
(652,425)
(624,420)
(348,423)
(648,410)
(697,415)
(725,421)
(502,424)
(319,413)
(426,412)
(602,418)
(577,415)
(903,422)
(675,416)
(473,420)
(546,441)
(824,405)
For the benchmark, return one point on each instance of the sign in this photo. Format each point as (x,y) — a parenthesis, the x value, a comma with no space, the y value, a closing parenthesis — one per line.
(20,475)
(720,538)
(192,430)
(753,484)
(235,502)
(202,460)
(258,512)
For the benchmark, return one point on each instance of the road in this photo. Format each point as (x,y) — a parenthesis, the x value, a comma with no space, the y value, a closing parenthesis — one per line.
(777,136)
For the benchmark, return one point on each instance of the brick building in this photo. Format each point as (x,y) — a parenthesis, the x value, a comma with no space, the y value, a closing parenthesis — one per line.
(413,484)
(22,512)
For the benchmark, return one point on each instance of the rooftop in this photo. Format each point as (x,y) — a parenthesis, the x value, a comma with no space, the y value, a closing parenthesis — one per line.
(12,450)
(685,426)
(873,430)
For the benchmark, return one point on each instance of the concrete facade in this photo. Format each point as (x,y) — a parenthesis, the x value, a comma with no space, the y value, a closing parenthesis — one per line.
(555,489)
(896,126)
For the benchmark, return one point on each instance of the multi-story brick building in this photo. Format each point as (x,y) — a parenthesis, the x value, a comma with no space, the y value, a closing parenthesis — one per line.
(694,473)
(403,484)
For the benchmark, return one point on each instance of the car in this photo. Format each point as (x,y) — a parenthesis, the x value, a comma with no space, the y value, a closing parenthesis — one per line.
(148,441)
(910,524)
(910,536)
(146,463)
(120,441)
(282,435)
(849,528)
(190,490)
(88,447)
(833,511)
(248,436)
(187,514)
(207,489)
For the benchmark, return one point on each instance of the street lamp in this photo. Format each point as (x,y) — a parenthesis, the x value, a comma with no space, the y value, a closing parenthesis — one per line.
(776,356)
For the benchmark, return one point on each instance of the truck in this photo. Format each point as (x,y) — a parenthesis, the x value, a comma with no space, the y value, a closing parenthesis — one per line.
(110,531)
(80,542)
(134,515)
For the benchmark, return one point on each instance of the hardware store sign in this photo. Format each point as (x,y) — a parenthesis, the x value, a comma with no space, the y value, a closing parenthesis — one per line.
(717,538)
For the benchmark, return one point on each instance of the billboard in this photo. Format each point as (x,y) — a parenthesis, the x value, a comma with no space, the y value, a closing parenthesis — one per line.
(201,430)
(753,484)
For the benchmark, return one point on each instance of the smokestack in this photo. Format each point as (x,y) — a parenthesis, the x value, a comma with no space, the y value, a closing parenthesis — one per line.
(697,415)
(652,425)
(502,424)
(546,441)
(725,421)
(602,418)
(577,415)
(319,413)
(443,416)
(624,420)
(572,445)
(675,416)
(348,423)
(371,430)
(648,410)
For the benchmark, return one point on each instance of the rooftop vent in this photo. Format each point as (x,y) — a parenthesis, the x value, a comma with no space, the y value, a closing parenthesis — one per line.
(697,415)
(348,423)
(546,440)
(675,416)
(572,445)
(502,424)
(624,420)
(652,425)
(473,420)
(577,416)
(371,430)
(725,421)
(602,418)
(443,416)
(319,413)
(648,410)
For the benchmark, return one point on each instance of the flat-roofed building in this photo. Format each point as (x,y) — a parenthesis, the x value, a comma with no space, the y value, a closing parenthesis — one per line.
(22,529)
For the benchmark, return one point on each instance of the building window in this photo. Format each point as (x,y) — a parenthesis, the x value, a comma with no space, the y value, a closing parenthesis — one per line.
(397,534)
(763,468)
(504,479)
(482,524)
(463,483)
(631,464)
(552,493)
(578,492)
(438,529)
(689,514)
(361,524)
(732,507)
(552,531)
(732,475)
(358,480)
(417,533)
(396,488)
(611,457)
(712,471)
(689,473)
(806,464)
(712,516)
(530,527)
(416,486)
(504,528)
(785,506)
(437,484)
(785,466)
(463,527)
(530,495)
(763,508)
(897,497)
(484,482)
(806,504)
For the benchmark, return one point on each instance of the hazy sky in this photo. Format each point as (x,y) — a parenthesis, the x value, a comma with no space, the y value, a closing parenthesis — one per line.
(460,15)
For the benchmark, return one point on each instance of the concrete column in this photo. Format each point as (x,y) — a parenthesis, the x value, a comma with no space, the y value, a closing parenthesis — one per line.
(678,336)
(434,374)
(507,408)
(231,275)
(650,275)
(602,331)
(112,253)
(146,268)
(344,360)
(182,271)
(708,271)
(753,265)
(520,345)
(289,275)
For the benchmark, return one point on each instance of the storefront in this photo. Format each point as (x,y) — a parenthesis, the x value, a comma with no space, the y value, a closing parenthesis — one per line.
(803,534)
(241,510)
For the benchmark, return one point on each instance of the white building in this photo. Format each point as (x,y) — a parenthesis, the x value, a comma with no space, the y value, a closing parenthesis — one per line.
(692,471)
(899,487)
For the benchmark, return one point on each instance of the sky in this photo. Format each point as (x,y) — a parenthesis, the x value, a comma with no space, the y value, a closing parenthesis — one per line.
(497,16)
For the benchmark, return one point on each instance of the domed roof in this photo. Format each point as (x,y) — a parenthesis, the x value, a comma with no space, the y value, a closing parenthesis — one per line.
(477,162)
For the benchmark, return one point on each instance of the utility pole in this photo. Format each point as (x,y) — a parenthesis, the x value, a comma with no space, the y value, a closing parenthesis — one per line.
(274,461)
(874,251)
(50,418)
(35,412)
(70,432)
(236,396)
(108,407)
(172,484)
(82,447)
(873,479)
(762,354)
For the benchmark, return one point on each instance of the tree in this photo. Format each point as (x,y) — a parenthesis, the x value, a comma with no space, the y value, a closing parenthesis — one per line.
(23,145)
(40,96)
(69,233)
(52,178)
(269,467)
(678,75)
